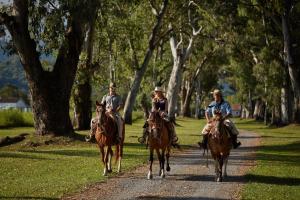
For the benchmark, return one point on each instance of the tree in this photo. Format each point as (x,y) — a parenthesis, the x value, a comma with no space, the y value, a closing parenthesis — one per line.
(61,27)
(140,70)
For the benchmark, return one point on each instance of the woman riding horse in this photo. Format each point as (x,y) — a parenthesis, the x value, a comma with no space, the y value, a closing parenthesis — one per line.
(160,104)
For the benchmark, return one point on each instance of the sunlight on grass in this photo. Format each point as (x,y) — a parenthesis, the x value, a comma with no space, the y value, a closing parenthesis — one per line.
(277,175)
(49,171)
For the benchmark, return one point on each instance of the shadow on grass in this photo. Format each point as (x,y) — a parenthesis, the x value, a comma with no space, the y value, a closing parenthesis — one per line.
(291,147)
(18,155)
(273,180)
(175,198)
(27,197)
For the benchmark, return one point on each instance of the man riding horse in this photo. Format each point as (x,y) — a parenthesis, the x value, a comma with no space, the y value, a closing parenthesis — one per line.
(113,103)
(219,105)
(160,104)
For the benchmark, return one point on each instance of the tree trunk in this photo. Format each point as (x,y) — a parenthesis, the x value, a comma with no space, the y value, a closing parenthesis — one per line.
(258,110)
(83,90)
(186,109)
(285,99)
(50,90)
(290,60)
(250,107)
(132,94)
(83,105)
(173,88)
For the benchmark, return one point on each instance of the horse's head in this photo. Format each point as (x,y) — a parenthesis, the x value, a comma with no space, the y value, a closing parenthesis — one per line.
(155,123)
(100,113)
(218,121)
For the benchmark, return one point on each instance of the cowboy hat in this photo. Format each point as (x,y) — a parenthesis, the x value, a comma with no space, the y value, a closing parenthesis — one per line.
(216,91)
(112,85)
(158,89)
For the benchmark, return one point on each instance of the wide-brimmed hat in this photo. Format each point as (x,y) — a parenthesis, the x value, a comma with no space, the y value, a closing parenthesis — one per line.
(112,85)
(216,91)
(158,89)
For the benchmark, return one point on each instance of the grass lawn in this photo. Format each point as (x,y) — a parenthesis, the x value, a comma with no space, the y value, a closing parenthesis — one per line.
(49,171)
(277,174)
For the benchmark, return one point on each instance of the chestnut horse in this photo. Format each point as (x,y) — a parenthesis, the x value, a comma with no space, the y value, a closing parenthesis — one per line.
(159,141)
(220,145)
(106,137)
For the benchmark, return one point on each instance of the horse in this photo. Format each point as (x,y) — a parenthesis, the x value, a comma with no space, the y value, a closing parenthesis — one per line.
(105,137)
(158,140)
(220,145)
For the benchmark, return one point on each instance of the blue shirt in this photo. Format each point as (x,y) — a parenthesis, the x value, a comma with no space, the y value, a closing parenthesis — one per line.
(223,106)
(112,101)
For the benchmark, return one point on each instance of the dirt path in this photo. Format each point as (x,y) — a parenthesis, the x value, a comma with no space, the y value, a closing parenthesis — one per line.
(189,178)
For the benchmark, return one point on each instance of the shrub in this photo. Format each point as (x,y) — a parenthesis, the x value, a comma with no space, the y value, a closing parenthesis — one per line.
(15,118)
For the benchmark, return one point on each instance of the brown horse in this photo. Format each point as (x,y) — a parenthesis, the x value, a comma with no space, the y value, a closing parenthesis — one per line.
(159,141)
(106,137)
(220,145)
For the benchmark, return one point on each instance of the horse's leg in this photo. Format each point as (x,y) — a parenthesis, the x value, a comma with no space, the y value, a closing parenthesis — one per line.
(168,156)
(162,173)
(216,168)
(150,176)
(160,161)
(220,165)
(225,166)
(120,153)
(110,153)
(106,162)
(102,154)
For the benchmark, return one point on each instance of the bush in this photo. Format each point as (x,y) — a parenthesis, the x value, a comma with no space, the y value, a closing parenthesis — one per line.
(15,118)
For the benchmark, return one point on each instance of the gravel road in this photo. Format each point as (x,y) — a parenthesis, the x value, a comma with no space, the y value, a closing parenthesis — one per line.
(189,178)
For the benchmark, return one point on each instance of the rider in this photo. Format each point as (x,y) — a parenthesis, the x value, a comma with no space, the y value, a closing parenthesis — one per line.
(160,104)
(113,103)
(219,104)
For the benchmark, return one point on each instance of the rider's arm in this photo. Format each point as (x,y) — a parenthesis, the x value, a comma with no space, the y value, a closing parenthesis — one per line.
(228,110)
(120,104)
(207,117)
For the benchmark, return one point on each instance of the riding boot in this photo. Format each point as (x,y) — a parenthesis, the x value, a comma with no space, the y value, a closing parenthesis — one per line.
(204,142)
(235,143)
(142,139)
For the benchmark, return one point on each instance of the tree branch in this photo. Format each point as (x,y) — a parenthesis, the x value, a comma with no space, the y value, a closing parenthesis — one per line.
(153,8)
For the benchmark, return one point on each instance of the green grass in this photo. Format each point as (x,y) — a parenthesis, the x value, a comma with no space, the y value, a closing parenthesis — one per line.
(277,174)
(15,118)
(49,171)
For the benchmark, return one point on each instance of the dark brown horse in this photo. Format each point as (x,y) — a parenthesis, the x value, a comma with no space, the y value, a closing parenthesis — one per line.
(106,137)
(159,141)
(220,145)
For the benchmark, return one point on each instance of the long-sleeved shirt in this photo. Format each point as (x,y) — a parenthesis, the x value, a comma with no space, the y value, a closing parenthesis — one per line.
(223,106)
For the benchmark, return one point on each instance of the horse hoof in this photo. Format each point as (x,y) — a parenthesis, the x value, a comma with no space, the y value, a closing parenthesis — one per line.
(219,180)
(163,176)
(150,176)
(168,169)
(109,171)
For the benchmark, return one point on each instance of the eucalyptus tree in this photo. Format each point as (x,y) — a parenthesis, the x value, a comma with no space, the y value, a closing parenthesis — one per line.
(140,68)
(181,53)
(54,27)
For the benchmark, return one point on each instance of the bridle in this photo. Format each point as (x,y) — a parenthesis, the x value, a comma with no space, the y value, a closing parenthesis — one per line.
(101,119)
